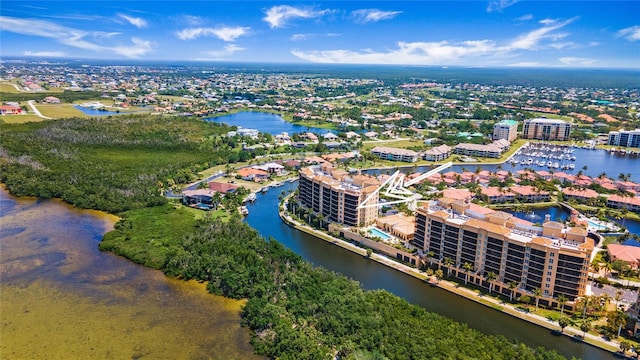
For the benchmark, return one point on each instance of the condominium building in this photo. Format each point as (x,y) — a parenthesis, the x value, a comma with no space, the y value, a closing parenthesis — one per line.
(550,257)
(493,150)
(630,138)
(336,194)
(546,129)
(505,129)
(394,154)
(437,153)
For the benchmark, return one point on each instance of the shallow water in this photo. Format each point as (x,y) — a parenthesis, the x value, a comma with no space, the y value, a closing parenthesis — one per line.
(61,298)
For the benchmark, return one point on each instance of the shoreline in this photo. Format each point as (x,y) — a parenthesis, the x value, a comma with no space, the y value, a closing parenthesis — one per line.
(480,298)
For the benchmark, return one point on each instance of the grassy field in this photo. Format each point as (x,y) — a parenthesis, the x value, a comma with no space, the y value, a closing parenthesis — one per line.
(20,119)
(6,87)
(59,111)
(552,116)
(402,144)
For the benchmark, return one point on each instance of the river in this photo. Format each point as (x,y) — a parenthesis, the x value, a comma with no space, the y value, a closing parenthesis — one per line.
(264,217)
(63,299)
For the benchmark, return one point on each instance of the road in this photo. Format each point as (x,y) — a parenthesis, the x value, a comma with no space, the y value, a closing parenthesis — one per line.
(36,111)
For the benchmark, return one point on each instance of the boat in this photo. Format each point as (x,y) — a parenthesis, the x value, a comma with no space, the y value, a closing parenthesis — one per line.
(250,198)
(244,210)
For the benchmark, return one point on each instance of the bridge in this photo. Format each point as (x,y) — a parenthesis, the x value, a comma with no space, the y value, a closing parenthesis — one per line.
(396,187)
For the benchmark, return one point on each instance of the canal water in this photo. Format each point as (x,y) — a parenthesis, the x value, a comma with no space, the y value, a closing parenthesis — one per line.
(264,217)
(63,299)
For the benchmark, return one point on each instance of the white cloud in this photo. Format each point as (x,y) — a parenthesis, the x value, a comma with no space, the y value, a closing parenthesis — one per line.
(577,61)
(135,21)
(564,45)
(74,37)
(192,20)
(278,16)
(45,53)
(227,51)
(527,64)
(525,17)
(373,15)
(414,53)
(499,5)
(531,40)
(631,33)
(302,37)
(223,33)
(443,52)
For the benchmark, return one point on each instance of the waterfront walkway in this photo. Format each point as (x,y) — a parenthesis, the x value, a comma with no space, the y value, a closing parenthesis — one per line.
(470,294)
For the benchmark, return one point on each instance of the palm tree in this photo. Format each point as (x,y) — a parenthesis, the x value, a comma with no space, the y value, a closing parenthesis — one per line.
(537,292)
(563,322)
(585,326)
(625,346)
(448,262)
(430,255)
(562,300)
(491,276)
(512,286)
(585,301)
(467,267)
(439,274)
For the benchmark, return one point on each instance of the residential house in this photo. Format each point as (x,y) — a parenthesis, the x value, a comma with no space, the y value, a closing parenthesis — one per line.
(250,174)
(631,203)
(530,194)
(581,195)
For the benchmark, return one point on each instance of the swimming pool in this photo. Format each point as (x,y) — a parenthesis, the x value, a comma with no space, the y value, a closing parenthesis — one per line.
(379,233)
(596,225)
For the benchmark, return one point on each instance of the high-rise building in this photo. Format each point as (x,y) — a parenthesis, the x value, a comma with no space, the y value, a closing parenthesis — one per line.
(505,129)
(546,129)
(630,138)
(336,194)
(524,257)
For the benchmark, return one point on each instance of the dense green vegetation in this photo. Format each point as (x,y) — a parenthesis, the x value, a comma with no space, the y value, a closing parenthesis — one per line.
(300,312)
(146,235)
(121,165)
(111,164)
(65,97)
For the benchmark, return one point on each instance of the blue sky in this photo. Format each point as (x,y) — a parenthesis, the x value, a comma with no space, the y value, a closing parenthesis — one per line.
(602,34)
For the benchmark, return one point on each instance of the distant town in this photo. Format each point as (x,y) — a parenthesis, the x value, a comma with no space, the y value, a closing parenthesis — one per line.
(441,176)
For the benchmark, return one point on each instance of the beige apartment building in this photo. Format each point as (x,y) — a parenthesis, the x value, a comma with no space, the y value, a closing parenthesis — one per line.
(524,257)
(546,129)
(505,129)
(336,194)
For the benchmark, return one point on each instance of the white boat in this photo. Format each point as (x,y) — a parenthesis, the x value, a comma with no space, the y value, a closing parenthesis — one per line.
(250,198)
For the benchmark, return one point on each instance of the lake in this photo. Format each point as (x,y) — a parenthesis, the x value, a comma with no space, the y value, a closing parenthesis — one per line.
(63,299)
(96,112)
(265,122)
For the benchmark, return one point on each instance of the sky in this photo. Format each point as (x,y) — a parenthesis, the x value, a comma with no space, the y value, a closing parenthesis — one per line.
(501,33)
